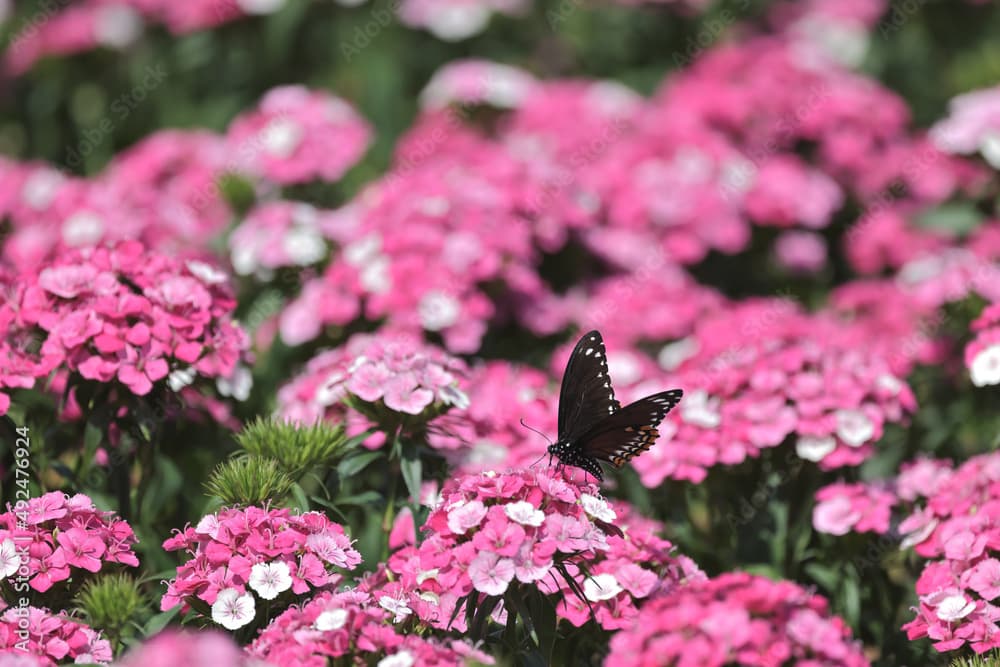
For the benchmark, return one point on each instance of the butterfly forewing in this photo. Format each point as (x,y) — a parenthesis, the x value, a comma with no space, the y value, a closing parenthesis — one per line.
(586,396)
(630,431)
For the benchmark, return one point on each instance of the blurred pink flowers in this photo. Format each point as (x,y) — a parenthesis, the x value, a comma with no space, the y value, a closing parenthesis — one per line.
(734,618)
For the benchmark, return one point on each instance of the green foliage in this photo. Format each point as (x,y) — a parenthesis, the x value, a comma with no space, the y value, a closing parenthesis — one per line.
(991,660)
(249,480)
(112,603)
(296,449)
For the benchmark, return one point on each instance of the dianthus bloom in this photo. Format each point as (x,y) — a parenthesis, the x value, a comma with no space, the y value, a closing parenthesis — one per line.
(497,531)
(278,234)
(982,354)
(957,528)
(119,313)
(63,536)
(53,639)
(240,556)
(387,370)
(297,135)
(192,649)
(841,508)
(638,565)
(737,618)
(763,371)
(972,125)
(487,435)
(351,623)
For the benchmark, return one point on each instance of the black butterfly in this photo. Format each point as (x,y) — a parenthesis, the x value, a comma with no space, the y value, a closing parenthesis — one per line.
(593,426)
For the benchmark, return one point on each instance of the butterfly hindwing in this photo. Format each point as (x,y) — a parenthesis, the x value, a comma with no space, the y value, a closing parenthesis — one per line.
(630,431)
(586,396)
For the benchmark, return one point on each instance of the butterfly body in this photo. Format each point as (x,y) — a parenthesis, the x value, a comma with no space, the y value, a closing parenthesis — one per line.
(593,426)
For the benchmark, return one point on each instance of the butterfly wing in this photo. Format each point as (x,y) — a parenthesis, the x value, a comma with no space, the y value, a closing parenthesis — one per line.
(586,396)
(623,435)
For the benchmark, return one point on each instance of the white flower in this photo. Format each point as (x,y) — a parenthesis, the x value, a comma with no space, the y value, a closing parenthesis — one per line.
(597,508)
(233,610)
(396,606)
(41,188)
(260,6)
(331,619)
(524,513)
(954,607)
(363,250)
(700,409)
(890,383)
(601,587)
(10,561)
(989,147)
(206,273)
(854,427)
(985,368)
(438,310)
(452,395)
(238,385)
(180,378)
(375,276)
(304,246)
(402,659)
(815,447)
(281,137)
(270,579)
(624,367)
(82,228)
(674,354)
(117,26)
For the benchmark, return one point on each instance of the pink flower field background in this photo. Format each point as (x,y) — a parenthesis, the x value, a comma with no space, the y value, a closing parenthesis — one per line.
(289,287)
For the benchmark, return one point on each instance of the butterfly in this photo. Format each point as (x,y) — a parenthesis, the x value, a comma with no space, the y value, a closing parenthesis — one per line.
(593,426)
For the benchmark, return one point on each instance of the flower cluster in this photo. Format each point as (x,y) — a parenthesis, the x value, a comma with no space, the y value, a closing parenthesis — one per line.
(487,434)
(196,649)
(161,191)
(385,370)
(454,194)
(638,565)
(353,624)
(97,23)
(762,371)
(278,234)
(63,537)
(737,618)
(972,126)
(956,529)
(237,553)
(120,313)
(861,508)
(52,639)
(493,531)
(297,135)
(982,354)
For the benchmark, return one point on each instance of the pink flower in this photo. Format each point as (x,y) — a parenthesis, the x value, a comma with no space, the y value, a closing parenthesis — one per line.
(984,578)
(254,550)
(297,135)
(81,549)
(736,618)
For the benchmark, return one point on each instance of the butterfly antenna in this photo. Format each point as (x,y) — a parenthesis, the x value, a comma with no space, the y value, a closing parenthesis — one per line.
(535,430)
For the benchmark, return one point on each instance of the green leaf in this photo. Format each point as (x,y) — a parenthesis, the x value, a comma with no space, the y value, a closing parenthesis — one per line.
(825,576)
(300,498)
(954,218)
(412,469)
(160,621)
(352,465)
(163,487)
(362,499)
